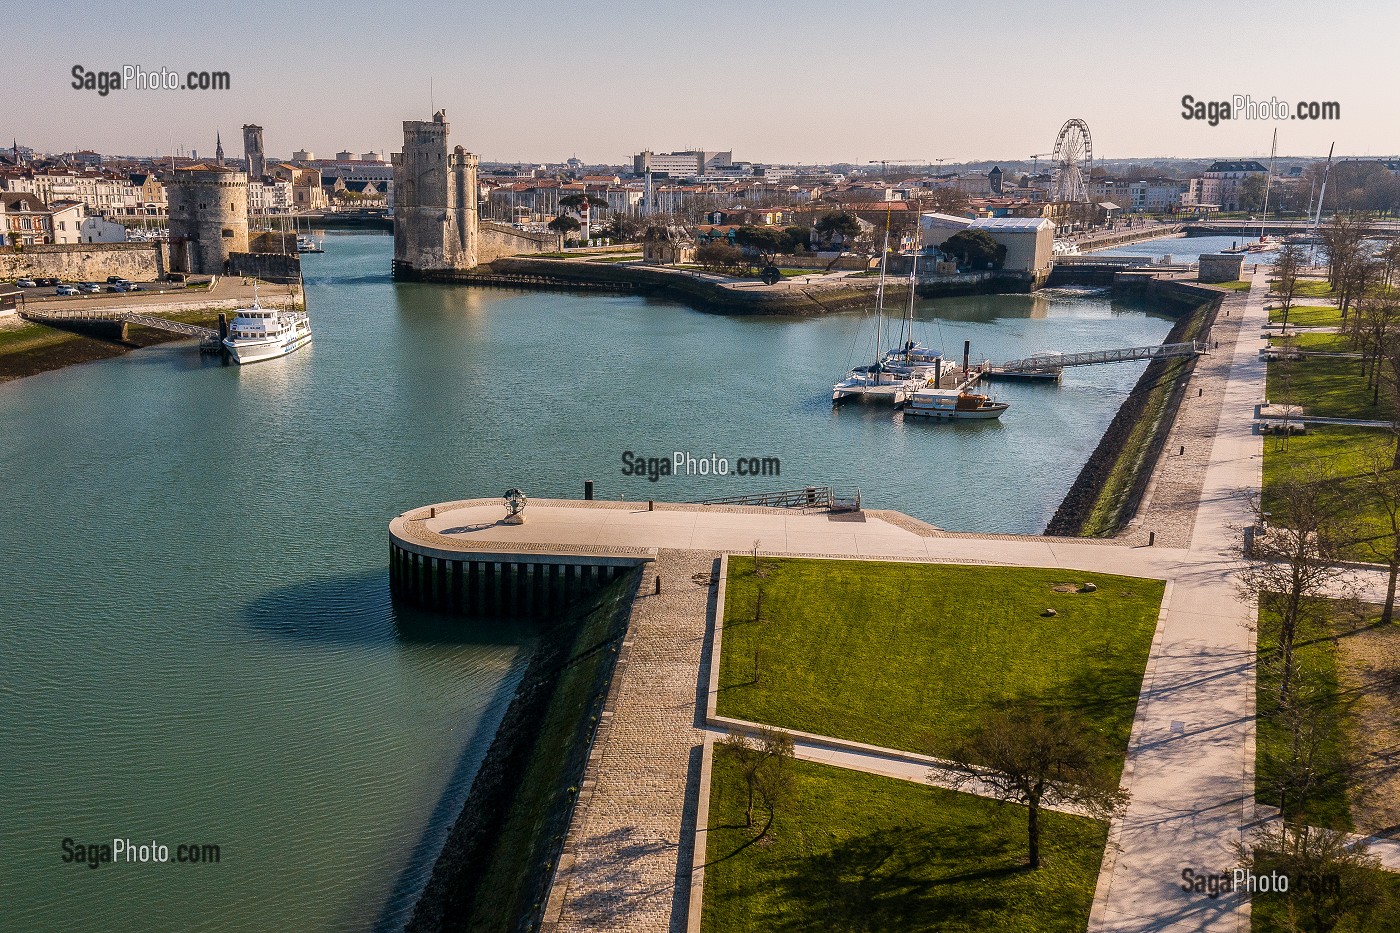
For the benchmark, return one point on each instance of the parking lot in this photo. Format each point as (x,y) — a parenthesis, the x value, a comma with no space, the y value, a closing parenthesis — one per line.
(201,291)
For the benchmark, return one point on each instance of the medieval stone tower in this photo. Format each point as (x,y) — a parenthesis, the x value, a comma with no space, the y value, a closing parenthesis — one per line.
(253,150)
(208,218)
(436,228)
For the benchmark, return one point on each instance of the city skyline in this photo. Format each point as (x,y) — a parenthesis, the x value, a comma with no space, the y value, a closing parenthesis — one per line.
(802,84)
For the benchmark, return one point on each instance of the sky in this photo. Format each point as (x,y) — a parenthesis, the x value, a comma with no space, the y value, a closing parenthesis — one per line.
(772,80)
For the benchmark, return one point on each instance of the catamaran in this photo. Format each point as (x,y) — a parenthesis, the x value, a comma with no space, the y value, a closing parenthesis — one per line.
(257,333)
(902,370)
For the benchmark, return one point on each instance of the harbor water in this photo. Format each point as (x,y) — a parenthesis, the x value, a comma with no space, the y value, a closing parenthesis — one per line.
(199,646)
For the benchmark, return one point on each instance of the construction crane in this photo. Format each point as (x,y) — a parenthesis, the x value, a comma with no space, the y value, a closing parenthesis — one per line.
(1035,160)
(886,163)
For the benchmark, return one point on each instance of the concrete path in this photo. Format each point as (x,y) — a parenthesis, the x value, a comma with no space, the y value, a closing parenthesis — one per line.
(591,526)
(1190,758)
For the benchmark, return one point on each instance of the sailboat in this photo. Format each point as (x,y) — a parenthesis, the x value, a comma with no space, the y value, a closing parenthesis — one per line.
(1266,243)
(892,376)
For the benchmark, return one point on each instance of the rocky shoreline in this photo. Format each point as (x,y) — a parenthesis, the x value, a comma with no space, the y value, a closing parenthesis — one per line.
(1127,454)
(494,869)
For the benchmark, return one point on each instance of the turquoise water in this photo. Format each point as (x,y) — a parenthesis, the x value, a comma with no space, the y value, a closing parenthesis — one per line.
(198,644)
(1189,249)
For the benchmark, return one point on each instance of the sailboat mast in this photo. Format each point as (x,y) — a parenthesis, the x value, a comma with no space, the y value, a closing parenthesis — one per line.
(1317,217)
(906,336)
(880,292)
(1268,181)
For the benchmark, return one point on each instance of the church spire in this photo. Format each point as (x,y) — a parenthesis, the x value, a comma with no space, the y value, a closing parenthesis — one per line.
(218,149)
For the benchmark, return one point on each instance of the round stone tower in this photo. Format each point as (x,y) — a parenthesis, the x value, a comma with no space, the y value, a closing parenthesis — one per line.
(208,218)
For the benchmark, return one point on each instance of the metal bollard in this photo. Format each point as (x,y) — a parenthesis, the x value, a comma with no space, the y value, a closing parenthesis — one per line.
(588,489)
(651,505)
(658,586)
(1200,392)
(432,511)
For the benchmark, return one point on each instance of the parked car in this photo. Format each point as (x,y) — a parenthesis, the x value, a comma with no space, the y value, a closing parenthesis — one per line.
(47,283)
(66,290)
(114,279)
(118,287)
(134,287)
(90,288)
(26,283)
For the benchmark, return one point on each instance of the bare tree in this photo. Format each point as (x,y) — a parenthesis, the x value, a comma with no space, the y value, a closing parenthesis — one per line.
(1037,758)
(1381,483)
(1374,330)
(1388,360)
(1285,277)
(765,763)
(1294,561)
(1293,774)
(1330,879)
(1341,243)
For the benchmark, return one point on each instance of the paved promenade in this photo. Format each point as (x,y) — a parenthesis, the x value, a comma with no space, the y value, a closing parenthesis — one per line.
(627,856)
(1190,757)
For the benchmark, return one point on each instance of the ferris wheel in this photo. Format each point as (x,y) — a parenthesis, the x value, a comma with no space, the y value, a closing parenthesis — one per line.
(1072,162)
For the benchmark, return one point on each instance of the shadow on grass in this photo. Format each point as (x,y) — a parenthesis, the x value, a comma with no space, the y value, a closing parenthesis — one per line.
(880,881)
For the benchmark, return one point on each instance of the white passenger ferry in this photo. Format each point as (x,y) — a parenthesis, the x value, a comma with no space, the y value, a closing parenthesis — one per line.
(259,333)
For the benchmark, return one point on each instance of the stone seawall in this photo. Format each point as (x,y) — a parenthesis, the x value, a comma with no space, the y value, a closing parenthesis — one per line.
(1109,489)
(270,267)
(497,240)
(86,262)
(795,296)
(495,866)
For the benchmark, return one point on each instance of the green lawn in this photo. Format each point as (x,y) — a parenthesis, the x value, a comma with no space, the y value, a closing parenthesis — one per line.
(852,851)
(911,656)
(1331,388)
(1238,286)
(1309,315)
(1317,342)
(1269,912)
(1316,675)
(1314,289)
(1340,453)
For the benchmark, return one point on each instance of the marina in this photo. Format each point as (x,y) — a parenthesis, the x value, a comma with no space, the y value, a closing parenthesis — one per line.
(314,707)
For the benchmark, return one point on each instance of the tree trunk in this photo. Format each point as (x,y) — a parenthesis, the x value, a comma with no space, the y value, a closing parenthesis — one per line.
(1388,613)
(1033,831)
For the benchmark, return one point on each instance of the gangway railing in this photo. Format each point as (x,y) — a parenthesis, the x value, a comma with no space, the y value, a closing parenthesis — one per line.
(117,317)
(1051,362)
(808,497)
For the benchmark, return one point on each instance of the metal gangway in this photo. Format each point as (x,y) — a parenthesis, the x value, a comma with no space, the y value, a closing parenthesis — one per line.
(1054,362)
(118,317)
(809,497)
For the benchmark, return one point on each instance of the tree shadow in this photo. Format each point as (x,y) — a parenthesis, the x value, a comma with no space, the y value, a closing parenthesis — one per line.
(882,880)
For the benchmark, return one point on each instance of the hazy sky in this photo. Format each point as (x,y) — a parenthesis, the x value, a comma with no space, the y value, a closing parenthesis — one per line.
(812,81)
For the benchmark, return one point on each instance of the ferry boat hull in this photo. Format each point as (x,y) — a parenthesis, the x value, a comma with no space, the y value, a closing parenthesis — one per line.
(256,351)
(257,334)
(953,405)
